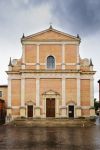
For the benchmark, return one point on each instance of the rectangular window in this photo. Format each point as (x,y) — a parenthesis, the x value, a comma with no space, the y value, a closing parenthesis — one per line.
(0,93)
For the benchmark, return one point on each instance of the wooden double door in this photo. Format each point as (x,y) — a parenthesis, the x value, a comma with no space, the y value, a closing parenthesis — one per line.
(50,107)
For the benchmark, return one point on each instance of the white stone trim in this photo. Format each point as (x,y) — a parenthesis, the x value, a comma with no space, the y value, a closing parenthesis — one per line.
(63,56)
(63,92)
(92,92)
(41,43)
(9,92)
(37,57)
(78,92)
(37,92)
(85,107)
(30,64)
(15,107)
(51,75)
(72,64)
(22,92)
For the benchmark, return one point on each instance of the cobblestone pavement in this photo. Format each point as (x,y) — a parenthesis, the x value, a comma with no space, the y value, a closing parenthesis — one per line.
(51,138)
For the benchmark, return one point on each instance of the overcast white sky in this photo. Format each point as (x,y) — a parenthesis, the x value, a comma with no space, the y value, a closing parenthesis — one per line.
(30,16)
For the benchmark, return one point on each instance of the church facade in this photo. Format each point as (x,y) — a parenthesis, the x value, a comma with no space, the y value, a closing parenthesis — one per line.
(50,79)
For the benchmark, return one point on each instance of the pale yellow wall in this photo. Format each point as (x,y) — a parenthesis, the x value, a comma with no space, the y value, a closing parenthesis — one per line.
(30,53)
(50,84)
(85,112)
(85,92)
(16,112)
(70,53)
(54,50)
(16,92)
(71,90)
(71,67)
(30,90)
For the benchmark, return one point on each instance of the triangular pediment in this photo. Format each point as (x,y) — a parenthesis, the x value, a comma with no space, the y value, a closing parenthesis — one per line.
(51,35)
(50,92)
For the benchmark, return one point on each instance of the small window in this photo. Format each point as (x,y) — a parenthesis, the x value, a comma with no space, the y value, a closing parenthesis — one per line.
(50,62)
(0,93)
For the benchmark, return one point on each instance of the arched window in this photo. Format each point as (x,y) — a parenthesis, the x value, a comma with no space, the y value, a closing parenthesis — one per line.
(50,62)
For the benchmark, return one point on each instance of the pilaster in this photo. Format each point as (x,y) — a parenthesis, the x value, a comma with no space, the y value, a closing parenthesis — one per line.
(63,108)
(63,56)
(78,58)
(78,92)
(37,58)
(23,56)
(37,109)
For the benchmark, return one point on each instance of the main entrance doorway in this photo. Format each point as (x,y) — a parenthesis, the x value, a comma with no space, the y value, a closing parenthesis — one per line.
(30,111)
(50,107)
(71,111)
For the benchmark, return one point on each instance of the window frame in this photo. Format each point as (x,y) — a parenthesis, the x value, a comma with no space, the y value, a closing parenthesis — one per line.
(47,62)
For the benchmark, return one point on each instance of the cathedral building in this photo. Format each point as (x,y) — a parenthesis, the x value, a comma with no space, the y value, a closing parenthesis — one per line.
(50,79)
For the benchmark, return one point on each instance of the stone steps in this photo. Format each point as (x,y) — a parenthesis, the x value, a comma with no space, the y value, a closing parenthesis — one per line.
(52,122)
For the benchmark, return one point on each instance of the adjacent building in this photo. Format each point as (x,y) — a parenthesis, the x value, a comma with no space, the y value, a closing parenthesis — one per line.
(50,79)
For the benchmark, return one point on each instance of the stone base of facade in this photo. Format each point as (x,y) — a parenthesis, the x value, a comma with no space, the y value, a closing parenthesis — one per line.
(63,112)
(37,112)
(22,112)
(78,112)
(9,111)
(92,112)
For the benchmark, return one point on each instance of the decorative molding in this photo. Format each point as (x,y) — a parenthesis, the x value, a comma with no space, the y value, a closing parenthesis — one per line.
(50,75)
(85,107)
(15,107)
(46,42)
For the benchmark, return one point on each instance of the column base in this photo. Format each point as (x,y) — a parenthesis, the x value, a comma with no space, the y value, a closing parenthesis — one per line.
(63,112)
(37,112)
(9,111)
(22,112)
(92,112)
(78,112)
(9,115)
